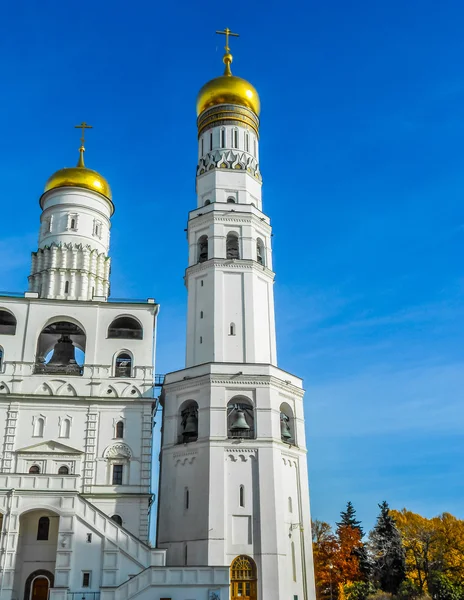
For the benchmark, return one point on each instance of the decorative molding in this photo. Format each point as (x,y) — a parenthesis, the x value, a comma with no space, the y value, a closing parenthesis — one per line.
(236,160)
(119,450)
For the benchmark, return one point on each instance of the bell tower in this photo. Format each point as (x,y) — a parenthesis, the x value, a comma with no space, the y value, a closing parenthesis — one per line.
(233,483)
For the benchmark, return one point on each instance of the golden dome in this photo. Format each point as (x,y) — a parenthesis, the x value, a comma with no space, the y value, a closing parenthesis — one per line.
(80,176)
(228,89)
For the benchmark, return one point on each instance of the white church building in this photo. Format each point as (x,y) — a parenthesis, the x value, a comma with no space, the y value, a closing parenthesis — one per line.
(77,401)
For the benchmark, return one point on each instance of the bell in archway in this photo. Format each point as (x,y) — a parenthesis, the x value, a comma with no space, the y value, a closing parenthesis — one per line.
(63,352)
(239,423)
(285,432)
(191,424)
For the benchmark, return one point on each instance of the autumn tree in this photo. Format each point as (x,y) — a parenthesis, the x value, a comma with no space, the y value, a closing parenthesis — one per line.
(388,560)
(348,520)
(325,552)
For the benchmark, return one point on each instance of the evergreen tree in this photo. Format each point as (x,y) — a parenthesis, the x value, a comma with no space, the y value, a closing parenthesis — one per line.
(388,559)
(348,519)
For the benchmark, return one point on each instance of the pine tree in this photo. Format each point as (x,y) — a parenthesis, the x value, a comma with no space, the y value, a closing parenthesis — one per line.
(348,518)
(388,559)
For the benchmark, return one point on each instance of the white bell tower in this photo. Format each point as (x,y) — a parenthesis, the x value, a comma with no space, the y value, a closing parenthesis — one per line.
(233,484)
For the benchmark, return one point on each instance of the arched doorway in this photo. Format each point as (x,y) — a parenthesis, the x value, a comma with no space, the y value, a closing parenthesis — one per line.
(38,585)
(243,579)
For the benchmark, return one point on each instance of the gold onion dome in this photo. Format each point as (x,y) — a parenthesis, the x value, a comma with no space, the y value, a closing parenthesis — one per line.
(80,176)
(228,89)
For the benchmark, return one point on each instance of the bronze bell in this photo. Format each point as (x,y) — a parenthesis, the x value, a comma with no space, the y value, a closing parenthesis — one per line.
(191,424)
(63,352)
(285,432)
(239,423)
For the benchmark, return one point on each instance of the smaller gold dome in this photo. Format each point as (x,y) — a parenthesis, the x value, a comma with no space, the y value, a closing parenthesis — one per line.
(228,89)
(80,176)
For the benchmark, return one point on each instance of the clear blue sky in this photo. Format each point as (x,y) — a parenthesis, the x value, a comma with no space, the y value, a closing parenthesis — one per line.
(363,161)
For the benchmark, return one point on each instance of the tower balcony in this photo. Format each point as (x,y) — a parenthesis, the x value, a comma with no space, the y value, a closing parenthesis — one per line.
(71,369)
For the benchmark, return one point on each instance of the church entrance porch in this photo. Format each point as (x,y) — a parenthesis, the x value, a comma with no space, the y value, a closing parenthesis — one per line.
(243,579)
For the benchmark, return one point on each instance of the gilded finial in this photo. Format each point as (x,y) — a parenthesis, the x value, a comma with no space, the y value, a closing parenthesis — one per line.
(83,126)
(227,56)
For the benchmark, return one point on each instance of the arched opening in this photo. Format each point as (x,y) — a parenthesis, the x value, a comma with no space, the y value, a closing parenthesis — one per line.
(61,349)
(43,529)
(241,496)
(1,358)
(7,323)
(64,470)
(186,498)
(73,224)
(232,249)
(188,422)
(240,418)
(287,425)
(260,255)
(117,519)
(203,248)
(247,141)
(290,505)
(123,365)
(223,138)
(38,585)
(65,428)
(119,433)
(232,329)
(235,138)
(66,287)
(243,579)
(38,427)
(125,328)
(230,200)
(34,470)
(207,202)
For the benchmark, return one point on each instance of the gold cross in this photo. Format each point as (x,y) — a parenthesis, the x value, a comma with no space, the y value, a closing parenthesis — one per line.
(83,126)
(227,32)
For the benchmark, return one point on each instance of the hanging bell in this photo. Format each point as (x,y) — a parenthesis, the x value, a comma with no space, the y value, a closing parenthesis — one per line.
(239,423)
(191,425)
(63,352)
(285,432)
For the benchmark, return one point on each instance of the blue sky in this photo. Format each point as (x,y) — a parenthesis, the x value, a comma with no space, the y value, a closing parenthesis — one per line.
(363,162)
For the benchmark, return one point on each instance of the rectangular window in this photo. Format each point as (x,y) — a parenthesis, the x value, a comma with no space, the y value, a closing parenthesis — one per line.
(117,474)
(223,138)
(210,141)
(86,578)
(72,222)
(235,139)
(247,142)
(202,147)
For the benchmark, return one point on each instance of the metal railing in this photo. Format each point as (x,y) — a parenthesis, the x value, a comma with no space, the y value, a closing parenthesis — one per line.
(246,434)
(47,369)
(83,596)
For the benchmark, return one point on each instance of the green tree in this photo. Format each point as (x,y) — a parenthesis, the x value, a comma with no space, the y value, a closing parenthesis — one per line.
(388,560)
(348,519)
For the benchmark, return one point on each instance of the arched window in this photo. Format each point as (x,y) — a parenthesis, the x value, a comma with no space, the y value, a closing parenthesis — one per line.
(65,428)
(207,202)
(230,200)
(202,146)
(223,138)
(117,519)
(240,418)
(185,555)
(39,424)
(43,528)
(232,329)
(123,365)
(290,505)
(235,138)
(61,349)
(287,432)
(126,328)
(63,470)
(242,496)
(34,470)
(247,141)
(188,422)
(66,287)
(7,323)
(232,250)
(73,224)
(254,147)
(186,498)
(260,255)
(243,578)
(203,248)
(119,429)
